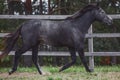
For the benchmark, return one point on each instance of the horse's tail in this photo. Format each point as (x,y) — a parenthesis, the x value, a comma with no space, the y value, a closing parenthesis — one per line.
(9,41)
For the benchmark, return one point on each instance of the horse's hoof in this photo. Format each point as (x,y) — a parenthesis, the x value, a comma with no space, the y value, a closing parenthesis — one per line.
(45,73)
(11,71)
(60,70)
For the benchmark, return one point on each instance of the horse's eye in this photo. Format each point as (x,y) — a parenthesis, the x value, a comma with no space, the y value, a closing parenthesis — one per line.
(103,12)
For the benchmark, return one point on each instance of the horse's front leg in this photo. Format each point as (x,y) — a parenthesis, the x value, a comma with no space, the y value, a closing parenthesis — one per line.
(83,59)
(73,57)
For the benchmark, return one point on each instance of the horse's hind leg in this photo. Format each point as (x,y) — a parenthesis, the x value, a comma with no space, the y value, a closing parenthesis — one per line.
(35,58)
(73,57)
(18,53)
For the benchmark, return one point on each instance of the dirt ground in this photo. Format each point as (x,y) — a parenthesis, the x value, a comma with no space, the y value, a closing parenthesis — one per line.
(22,75)
(61,76)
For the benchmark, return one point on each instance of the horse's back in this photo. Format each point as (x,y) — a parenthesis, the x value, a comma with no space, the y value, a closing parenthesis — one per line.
(39,30)
(47,32)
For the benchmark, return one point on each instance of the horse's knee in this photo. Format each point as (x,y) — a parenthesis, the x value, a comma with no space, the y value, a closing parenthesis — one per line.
(34,59)
(73,59)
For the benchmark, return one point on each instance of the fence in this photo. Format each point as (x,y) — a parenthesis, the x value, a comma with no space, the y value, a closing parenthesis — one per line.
(90,37)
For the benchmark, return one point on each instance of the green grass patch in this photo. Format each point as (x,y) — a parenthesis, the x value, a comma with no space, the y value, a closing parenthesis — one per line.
(71,69)
(73,73)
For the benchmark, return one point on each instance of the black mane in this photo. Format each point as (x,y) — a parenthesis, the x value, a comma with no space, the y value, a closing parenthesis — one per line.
(83,11)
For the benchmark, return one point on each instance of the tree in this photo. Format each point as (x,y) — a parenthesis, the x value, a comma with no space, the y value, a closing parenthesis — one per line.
(15,6)
(28,7)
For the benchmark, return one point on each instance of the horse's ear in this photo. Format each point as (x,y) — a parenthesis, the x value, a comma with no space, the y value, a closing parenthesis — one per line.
(98,4)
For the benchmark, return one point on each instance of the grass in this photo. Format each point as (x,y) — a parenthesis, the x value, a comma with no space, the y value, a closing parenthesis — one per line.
(73,73)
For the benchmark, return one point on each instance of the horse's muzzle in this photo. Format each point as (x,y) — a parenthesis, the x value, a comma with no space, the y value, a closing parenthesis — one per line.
(108,20)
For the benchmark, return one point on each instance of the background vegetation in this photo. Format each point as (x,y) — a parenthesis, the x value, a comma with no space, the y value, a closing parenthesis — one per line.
(62,7)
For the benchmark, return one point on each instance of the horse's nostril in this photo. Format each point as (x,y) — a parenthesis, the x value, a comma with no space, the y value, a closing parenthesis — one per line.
(110,22)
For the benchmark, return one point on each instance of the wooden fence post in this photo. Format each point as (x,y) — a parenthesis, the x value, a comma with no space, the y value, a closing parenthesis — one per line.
(90,48)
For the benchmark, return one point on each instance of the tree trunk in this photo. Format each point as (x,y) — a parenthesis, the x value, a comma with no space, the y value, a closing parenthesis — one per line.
(28,7)
(41,7)
(49,7)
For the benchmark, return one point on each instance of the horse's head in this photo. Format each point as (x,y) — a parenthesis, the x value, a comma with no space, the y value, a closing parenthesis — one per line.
(101,15)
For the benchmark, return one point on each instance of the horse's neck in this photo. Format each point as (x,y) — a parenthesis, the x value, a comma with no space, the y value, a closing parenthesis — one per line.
(84,22)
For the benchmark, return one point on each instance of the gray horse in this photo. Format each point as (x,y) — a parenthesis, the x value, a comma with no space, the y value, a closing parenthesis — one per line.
(68,33)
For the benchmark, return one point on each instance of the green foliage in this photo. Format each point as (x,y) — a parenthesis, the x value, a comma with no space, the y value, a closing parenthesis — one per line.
(50,78)
(7,25)
(2,6)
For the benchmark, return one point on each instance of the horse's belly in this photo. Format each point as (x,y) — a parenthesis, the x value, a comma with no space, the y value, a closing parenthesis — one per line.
(49,42)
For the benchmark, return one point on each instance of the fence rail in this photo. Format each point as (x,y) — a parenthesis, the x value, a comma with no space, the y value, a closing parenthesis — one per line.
(58,17)
(33,16)
(65,53)
(94,35)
